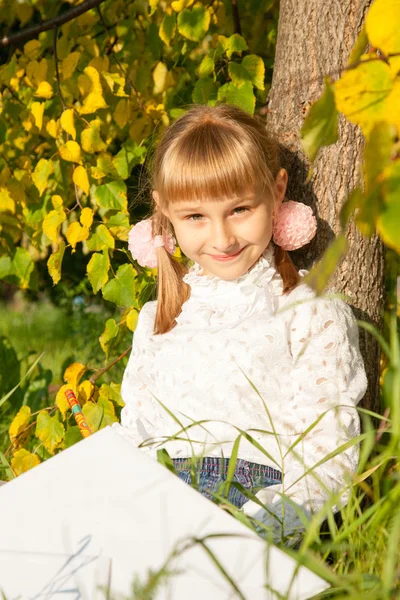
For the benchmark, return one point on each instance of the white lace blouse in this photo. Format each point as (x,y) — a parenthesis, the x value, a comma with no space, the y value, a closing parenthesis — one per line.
(244,358)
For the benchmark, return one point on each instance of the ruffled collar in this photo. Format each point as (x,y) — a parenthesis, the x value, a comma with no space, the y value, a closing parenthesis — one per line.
(216,303)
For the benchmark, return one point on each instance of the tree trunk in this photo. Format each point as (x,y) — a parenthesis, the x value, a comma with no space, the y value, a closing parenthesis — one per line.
(315,39)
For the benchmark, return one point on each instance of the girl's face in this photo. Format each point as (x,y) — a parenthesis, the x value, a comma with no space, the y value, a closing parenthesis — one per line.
(226,237)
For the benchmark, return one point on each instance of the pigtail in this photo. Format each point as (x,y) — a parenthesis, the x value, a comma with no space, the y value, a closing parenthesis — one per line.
(286,269)
(172,291)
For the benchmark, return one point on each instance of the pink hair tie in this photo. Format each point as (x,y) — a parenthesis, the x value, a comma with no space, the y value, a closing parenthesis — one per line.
(143,245)
(295,225)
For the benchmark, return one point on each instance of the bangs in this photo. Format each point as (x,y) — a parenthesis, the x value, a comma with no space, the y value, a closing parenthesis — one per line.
(213,163)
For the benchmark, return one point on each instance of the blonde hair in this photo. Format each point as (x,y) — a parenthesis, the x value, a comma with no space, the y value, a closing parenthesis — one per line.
(209,152)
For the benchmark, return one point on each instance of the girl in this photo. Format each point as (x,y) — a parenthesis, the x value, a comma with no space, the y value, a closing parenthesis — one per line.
(237,348)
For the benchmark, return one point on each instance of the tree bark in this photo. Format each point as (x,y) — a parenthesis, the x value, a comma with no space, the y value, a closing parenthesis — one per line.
(315,38)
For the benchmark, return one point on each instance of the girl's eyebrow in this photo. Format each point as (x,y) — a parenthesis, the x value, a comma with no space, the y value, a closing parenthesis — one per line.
(193,209)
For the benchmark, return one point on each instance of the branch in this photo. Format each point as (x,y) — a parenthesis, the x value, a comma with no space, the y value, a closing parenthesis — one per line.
(101,371)
(32,32)
(236,19)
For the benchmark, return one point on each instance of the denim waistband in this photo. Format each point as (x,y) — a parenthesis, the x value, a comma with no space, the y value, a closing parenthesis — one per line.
(216,465)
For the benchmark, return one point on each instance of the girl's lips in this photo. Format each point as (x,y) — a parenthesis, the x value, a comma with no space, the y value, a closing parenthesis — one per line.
(224,258)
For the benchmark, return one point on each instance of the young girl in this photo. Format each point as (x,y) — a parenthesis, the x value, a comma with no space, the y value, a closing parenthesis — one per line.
(237,346)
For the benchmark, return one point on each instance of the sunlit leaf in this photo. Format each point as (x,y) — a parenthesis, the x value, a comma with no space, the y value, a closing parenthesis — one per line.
(235,44)
(97,270)
(319,275)
(160,77)
(55,262)
(193,23)
(112,196)
(382,25)
(22,267)
(90,86)
(76,233)
(320,127)
(167,28)
(68,65)
(91,140)
(71,152)
(99,414)
(32,49)
(74,372)
(7,203)
(18,428)
(205,92)
(130,155)
(44,90)
(37,110)
(132,319)
(67,121)
(23,460)
(240,96)
(49,430)
(61,400)
(41,174)
(81,179)
(86,217)
(110,333)
(100,240)
(388,223)
(120,290)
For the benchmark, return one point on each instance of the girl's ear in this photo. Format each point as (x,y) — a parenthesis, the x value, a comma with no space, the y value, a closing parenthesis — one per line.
(281,181)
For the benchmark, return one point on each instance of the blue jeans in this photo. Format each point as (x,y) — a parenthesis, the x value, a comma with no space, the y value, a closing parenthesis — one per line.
(210,475)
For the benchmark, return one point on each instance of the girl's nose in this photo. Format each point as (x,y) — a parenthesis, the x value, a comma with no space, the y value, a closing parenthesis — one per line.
(222,238)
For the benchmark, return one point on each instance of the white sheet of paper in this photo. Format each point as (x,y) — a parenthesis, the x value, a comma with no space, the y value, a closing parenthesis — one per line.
(122,505)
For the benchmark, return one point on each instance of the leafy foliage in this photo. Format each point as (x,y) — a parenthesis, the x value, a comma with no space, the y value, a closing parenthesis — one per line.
(81,105)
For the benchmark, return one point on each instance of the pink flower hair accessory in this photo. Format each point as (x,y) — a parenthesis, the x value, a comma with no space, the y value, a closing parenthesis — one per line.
(295,225)
(143,245)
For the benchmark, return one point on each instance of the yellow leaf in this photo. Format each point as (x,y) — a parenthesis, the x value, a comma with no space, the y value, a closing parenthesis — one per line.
(76,233)
(37,110)
(74,372)
(85,392)
(54,263)
(121,114)
(52,128)
(7,204)
(23,460)
(19,425)
(132,319)
(382,25)
(52,223)
(68,65)
(70,151)
(61,401)
(361,93)
(86,217)
(179,5)
(89,83)
(91,140)
(41,174)
(24,12)
(44,90)
(36,72)
(393,105)
(57,201)
(32,49)
(101,63)
(81,179)
(160,77)
(67,122)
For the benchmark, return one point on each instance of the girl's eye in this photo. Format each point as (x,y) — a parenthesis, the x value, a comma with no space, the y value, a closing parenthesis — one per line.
(194,217)
(240,209)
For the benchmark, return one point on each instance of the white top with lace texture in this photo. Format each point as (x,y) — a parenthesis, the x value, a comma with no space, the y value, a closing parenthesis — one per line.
(245,357)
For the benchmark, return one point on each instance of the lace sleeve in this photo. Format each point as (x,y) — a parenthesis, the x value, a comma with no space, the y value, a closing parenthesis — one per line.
(139,414)
(328,380)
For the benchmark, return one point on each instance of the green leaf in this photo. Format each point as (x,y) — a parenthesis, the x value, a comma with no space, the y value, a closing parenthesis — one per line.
(120,290)
(319,276)
(377,152)
(22,267)
(100,240)
(112,196)
(250,69)
(49,430)
(119,226)
(193,23)
(5,266)
(110,333)
(382,25)
(388,223)
(242,97)
(100,414)
(359,47)
(167,28)
(320,127)
(72,436)
(97,270)
(130,155)
(112,392)
(3,131)
(236,43)
(205,92)
(206,67)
